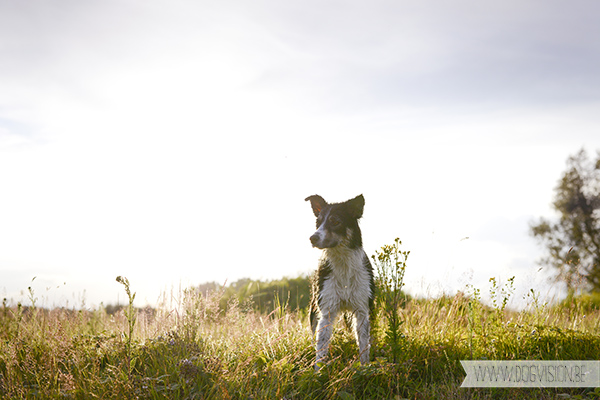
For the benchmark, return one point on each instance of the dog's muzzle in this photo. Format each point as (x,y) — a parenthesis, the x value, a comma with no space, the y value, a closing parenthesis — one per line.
(315,239)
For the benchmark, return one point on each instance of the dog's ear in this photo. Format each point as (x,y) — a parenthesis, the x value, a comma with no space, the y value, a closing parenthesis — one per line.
(356,206)
(317,203)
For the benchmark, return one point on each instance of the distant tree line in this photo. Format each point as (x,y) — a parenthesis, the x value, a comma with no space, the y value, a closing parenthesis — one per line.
(263,296)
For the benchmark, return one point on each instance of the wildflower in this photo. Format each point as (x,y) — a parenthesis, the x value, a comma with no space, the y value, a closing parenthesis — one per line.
(188,369)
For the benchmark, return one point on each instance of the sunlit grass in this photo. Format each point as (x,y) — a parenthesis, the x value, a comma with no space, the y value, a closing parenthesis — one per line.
(195,349)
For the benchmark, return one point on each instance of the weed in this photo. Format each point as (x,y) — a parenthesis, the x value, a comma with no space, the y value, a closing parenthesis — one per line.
(475,316)
(131,315)
(500,296)
(31,295)
(390,265)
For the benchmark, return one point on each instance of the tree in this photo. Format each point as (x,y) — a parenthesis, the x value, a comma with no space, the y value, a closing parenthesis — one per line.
(573,243)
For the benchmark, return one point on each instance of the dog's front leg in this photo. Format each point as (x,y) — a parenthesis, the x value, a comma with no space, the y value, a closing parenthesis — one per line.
(324,332)
(363,336)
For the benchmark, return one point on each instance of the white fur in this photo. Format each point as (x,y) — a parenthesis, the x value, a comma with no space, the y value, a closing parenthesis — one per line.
(347,288)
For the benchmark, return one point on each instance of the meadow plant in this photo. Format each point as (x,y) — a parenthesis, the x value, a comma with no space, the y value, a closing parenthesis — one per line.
(475,315)
(131,315)
(31,295)
(500,296)
(390,265)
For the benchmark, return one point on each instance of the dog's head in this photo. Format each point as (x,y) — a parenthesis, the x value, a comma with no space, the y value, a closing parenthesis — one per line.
(337,223)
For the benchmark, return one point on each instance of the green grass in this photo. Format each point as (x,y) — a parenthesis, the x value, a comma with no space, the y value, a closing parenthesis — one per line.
(198,350)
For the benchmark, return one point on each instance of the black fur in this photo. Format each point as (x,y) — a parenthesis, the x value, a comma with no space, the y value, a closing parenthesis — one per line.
(338,217)
(318,279)
(338,235)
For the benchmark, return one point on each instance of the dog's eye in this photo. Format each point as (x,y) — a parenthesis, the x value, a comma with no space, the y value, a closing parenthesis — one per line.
(334,221)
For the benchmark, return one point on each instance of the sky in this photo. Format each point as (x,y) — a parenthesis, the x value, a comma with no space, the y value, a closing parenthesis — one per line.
(174,142)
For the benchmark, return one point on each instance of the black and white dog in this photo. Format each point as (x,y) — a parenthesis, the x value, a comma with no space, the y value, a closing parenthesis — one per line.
(344,279)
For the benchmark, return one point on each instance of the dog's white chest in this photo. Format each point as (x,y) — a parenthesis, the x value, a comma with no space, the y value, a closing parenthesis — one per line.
(348,285)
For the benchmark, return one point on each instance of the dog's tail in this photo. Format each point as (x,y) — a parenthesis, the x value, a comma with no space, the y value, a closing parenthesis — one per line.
(313,321)
(313,315)
(313,309)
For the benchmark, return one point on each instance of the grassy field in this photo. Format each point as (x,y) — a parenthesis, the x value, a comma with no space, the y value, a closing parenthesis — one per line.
(195,349)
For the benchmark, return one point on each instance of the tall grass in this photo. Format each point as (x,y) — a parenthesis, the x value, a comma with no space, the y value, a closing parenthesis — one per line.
(196,349)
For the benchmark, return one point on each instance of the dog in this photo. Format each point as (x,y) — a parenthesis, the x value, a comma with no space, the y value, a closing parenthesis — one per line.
(343,282)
